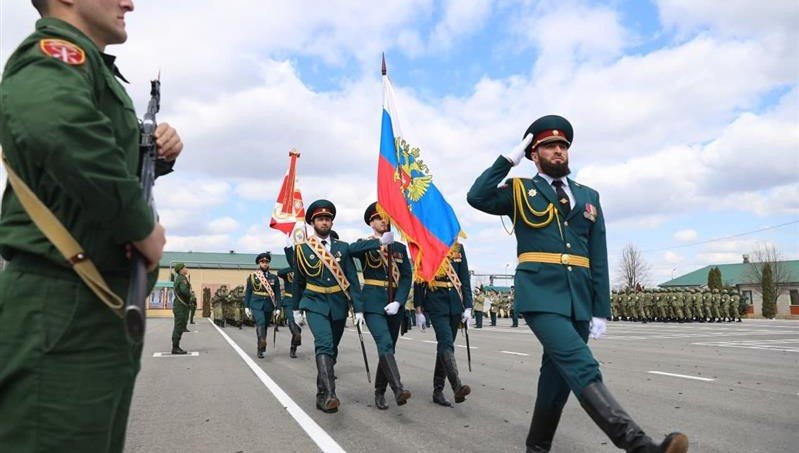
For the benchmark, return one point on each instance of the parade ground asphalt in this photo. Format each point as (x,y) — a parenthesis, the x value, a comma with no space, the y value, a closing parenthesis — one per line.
(731,387)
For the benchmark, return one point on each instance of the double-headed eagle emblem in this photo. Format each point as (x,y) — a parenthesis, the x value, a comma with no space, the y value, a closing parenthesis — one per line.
(411,172)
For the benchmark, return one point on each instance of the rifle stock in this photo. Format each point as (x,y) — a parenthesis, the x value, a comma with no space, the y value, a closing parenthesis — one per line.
(135,314)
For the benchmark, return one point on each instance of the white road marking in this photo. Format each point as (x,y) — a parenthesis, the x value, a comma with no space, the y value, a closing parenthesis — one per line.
(663,373)
(405,338)
(430,341)
(322,439)
(464,346)
(169,354)
(514,353)
(784,344)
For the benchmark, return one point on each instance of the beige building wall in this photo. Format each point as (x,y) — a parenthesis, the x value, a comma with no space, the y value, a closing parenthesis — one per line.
(201,278)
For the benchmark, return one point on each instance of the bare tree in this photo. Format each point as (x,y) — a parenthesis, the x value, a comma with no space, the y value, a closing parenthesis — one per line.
(780,274)
(634,270)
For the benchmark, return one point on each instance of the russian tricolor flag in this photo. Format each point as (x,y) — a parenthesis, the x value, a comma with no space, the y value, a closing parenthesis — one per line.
(407,195)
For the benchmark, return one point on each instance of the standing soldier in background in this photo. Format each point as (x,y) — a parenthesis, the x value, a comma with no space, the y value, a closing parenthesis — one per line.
(325,281)
(494,308)
(192,307)
(261,297)
(447,301)
(294,317)
(562,282)
(384,295)
(479,303)
(715,304)
(180,306)
(69,131)
(735,303)
(724,302)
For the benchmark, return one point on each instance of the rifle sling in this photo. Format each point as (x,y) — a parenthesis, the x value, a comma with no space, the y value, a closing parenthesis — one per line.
(58,235)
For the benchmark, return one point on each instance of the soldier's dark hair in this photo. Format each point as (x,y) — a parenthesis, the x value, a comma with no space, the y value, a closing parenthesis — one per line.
(41,6)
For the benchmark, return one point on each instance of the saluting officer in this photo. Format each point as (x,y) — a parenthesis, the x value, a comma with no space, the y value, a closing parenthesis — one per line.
(294,321)
(384,296)
(446,301)
(325,280)
(261,298)
(562,283)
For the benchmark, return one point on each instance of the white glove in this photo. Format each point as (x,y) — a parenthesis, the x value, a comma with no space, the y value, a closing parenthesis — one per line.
(467,316)
(392,308)
(420,322)
(359,319)
(297,316)
(387,238)
(248,311)
(515,155)
(598,328)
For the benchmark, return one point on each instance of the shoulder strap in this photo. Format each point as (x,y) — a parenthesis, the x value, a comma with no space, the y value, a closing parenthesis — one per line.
(330,263)
(58,235)
(265,283)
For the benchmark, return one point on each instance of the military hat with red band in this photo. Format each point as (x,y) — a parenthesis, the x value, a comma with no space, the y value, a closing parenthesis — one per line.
(548,129)
(320,208)
(370,213)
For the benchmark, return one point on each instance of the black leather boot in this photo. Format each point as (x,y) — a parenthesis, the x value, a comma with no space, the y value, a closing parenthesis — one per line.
(380,387)
(177,351)
(324,365)
(606,412)
(260,331)
(451,368)
(391,371)
(293,352)
(439,378)
(542,430)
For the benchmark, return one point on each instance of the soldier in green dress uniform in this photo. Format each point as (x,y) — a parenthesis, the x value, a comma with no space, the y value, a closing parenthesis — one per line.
(295,320)
(562,282)
(261,298)
(192,307)
(69,131)
(384,295)
(180,305)
(447,302)
(325,281)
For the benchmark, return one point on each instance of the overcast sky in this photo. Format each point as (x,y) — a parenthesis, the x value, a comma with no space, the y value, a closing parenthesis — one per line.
(686,112)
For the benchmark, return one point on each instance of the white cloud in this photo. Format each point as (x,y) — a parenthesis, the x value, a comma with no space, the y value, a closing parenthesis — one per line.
(460,17)
(687,235)
(223,225)
(665,135)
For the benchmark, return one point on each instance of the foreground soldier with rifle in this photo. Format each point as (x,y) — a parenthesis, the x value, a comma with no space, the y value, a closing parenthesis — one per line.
(69,134)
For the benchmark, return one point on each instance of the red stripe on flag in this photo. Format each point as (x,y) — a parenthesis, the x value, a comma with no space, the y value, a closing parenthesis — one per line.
(426,249)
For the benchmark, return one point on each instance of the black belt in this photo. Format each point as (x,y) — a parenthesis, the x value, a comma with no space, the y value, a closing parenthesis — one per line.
(34,264)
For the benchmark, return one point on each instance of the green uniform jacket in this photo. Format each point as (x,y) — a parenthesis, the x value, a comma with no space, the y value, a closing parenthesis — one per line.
(375,297)
(182,291)
(256,297)
(446,301)
(335,304)
(553,288)
(71,133)
(287,275)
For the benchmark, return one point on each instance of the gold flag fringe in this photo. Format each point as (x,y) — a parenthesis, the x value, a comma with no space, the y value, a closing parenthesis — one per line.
(441,271)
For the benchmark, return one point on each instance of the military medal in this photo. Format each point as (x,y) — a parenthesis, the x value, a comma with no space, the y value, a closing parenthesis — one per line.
(590,212)
(532,192)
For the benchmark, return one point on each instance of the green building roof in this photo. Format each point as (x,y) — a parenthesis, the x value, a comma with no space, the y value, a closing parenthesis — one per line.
(731,274)
(211,260)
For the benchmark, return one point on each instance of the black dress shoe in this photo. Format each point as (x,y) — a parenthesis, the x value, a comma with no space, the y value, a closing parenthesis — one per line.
(177,351)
